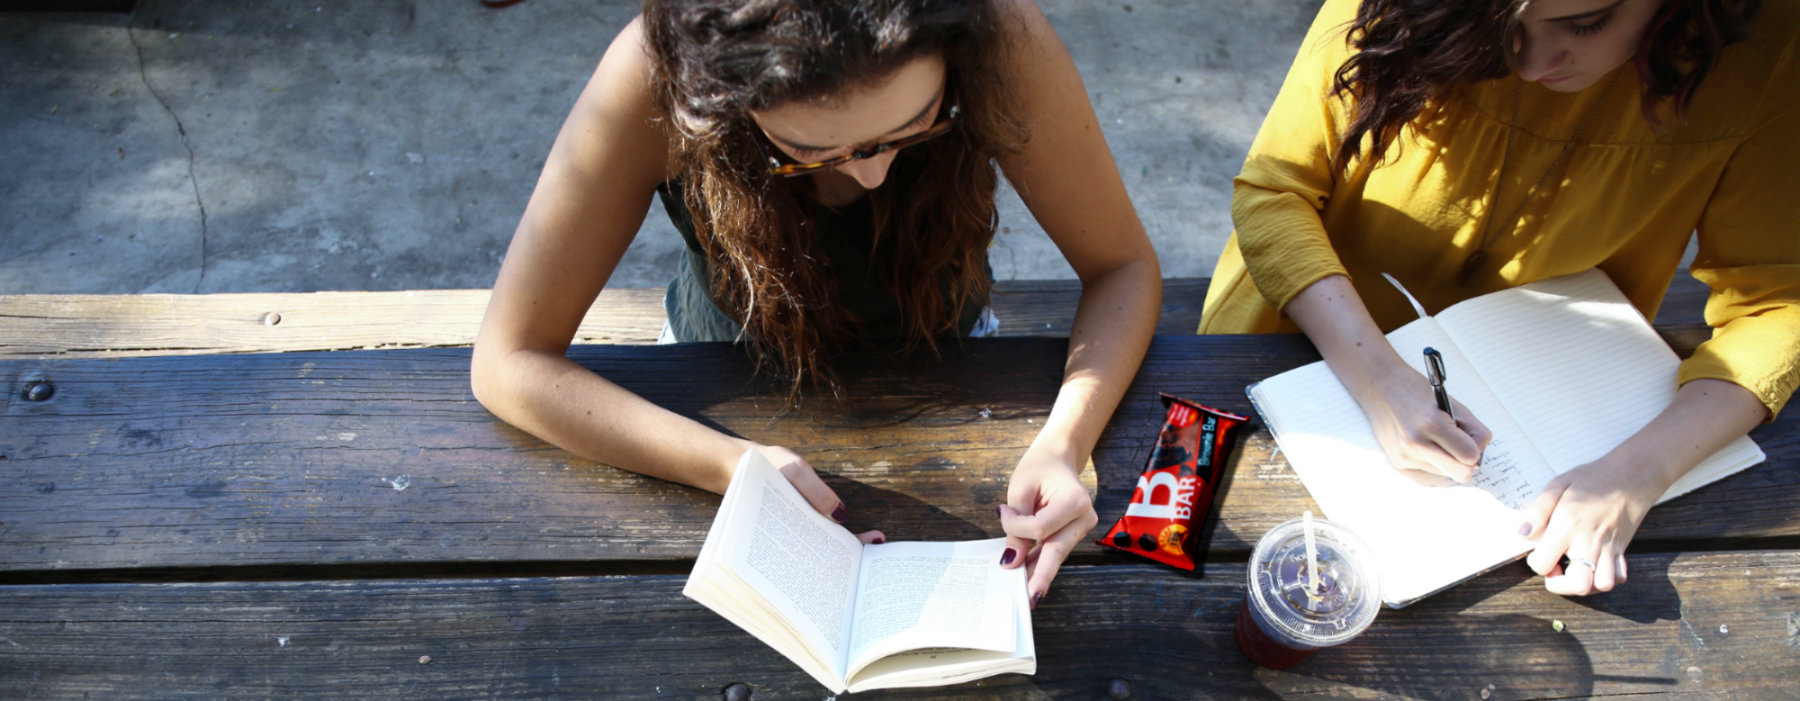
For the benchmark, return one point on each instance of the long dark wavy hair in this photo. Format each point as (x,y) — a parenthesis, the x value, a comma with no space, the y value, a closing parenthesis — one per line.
(717,60)
(1407,54)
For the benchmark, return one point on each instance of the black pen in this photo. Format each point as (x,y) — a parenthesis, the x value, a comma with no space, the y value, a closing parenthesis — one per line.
(1434,369)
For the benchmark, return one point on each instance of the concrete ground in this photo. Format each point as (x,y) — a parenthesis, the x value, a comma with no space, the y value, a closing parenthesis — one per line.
(231,146)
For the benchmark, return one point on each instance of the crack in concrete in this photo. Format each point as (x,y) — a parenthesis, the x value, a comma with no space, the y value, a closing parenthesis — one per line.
(131,34)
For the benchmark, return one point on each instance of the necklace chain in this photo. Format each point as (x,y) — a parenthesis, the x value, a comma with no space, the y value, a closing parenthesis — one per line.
(1476,259)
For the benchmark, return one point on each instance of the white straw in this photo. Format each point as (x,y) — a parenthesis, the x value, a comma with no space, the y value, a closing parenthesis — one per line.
(1312,557)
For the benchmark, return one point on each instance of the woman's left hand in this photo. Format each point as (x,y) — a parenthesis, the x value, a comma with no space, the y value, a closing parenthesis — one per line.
(1048,512)
(1590,514)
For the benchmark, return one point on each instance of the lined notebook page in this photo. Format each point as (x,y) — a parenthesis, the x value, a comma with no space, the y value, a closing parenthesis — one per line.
(1577,367)
(1512,470)
(1428,532)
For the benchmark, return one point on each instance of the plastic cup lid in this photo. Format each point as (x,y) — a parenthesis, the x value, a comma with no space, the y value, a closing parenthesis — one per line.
(1350,591)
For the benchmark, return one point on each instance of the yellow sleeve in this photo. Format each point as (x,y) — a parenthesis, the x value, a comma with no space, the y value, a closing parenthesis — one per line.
(1749,254)
(1288,173)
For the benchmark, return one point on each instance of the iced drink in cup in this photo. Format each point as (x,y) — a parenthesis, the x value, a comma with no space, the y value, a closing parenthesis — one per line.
(1286,616)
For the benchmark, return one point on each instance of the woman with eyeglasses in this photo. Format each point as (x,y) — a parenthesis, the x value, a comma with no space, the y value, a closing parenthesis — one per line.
(832,168)
(1468,146)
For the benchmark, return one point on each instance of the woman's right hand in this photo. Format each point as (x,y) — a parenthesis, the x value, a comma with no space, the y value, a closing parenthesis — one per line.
(1413,431)
(801,474)
(1398,400)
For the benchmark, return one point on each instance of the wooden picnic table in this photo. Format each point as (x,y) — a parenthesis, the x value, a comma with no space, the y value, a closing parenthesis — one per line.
(352,523)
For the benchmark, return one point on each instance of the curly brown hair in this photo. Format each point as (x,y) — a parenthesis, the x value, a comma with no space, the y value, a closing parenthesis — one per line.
(717,60)
(1407,54)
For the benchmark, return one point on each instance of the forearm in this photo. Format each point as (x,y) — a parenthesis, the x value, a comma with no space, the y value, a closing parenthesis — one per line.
(551,397)
(1706,415)
(1334,318)
(1113,325)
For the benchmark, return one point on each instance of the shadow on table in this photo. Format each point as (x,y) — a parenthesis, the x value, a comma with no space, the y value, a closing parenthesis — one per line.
(901,516)
(1455,645)
(1162,655)
(1647,597)
(1516,653)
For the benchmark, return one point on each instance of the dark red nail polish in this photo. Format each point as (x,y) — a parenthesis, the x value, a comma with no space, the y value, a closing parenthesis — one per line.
(1006,558)
(1034,600)
(999,511)
(840,514)
(877,540)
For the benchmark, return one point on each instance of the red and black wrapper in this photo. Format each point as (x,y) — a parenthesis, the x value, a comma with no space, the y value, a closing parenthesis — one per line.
(1174,494)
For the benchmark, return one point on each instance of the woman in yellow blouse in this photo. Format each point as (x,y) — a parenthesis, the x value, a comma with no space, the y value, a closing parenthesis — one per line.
(1466,146)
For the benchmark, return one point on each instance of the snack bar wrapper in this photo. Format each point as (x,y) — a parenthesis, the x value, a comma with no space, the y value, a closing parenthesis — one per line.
(1175,492)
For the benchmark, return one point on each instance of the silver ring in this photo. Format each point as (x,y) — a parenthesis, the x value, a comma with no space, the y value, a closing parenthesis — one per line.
(1578,561)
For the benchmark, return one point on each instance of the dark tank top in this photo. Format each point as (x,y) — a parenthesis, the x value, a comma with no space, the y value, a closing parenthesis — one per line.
(847,240)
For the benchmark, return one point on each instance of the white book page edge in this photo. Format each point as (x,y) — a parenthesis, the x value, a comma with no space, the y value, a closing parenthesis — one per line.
(715,586)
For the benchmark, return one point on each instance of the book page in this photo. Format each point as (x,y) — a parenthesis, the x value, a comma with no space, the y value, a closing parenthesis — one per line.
(939,666)
(1577,366)
(1428,532)
(930,595)
(802,563)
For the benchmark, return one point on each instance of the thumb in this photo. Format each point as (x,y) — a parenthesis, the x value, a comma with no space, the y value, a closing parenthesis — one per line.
(1454,438)
(1538,514)
(1470,424)
(1016,545)
(800,474)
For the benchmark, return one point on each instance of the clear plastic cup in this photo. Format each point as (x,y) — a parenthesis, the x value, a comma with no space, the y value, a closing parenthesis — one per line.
(1281,621)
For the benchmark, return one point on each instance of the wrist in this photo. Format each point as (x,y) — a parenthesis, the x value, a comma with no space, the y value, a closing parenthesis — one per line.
(1368,376)
(1652,469)
(1048,450)
(724,464)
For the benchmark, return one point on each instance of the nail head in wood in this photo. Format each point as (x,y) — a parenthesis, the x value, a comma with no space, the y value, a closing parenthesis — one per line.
(38,391)
(271,318)
(1118,690)
(737,691)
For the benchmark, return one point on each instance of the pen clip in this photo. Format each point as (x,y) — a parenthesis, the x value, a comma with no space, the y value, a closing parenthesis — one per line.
(1434,367)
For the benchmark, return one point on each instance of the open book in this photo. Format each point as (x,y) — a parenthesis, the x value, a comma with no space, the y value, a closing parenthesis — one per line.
(1562,370)
(858,616)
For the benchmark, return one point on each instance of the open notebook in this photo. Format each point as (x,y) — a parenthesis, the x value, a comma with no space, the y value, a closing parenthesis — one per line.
(1562,370)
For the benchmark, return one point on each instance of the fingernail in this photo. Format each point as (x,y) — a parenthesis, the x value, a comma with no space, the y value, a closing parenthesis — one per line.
(1035,598)
(998,511)
(877,540)
(1006,558)
(1525,528)
(840,514)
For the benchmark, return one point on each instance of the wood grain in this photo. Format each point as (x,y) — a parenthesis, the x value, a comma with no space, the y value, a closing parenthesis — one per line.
(167,324)
(163,324)
(1687,625)
(384,457)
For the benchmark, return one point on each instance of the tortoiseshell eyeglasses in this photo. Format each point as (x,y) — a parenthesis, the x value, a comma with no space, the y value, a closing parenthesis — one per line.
(943,126)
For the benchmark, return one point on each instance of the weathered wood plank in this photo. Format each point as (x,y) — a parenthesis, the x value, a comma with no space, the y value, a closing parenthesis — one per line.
(1685,626)
(165,324)
(371,457)
(1047,307)
(131,325)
